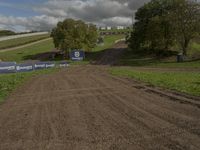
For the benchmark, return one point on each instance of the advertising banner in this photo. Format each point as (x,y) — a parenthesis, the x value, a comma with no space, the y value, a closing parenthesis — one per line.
(12,67)
(77,55)
(7,67)
(40,65)
(24,67)
(63,64)
(50,65)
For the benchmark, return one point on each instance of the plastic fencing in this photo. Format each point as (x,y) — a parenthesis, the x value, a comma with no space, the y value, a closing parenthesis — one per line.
(13,67)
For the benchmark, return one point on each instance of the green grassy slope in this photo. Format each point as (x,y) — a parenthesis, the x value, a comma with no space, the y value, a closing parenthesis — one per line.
(108,42)
(22,54)
(22,41)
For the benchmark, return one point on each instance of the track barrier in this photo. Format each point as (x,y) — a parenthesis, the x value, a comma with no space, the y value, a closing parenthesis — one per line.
(13,67)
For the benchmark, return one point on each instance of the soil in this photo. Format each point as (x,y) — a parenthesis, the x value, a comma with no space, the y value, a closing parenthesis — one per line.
(85,108)
(111,56)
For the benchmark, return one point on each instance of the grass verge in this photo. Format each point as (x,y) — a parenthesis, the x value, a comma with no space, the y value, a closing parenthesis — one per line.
(9,82)
(22,41)
(189,64)
(183,82)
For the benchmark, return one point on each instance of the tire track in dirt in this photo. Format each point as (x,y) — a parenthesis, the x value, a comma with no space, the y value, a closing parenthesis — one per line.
(85,108)
(144,116)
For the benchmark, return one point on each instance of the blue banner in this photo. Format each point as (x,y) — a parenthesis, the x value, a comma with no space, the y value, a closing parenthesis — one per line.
(40,65)
(24,67)
(12,67)
(63,64)
(7,67)
(50,64)
(77,55)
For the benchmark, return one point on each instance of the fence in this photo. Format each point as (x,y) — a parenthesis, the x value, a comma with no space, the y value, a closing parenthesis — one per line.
(13,67)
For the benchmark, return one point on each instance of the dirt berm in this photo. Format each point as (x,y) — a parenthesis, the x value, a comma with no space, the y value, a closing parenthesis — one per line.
(84,108)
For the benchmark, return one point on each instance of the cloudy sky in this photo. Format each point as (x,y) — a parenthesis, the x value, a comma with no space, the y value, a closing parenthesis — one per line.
(26,15)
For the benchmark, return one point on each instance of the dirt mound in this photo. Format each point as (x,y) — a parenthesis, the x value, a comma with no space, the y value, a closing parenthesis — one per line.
(86,108)
(111,56)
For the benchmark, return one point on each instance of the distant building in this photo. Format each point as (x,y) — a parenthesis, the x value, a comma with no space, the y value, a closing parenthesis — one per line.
(109,28)
(103,28)
(120,27)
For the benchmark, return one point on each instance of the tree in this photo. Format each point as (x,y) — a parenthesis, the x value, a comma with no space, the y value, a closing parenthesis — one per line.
(91,37)
(152,29)
(74,34)
(185,17)
(160,24)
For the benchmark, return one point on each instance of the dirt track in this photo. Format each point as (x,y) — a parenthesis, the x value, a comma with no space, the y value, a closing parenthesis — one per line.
(111,56)
(84,108)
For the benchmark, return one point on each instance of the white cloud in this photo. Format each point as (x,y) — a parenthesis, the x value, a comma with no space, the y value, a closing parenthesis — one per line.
(100,12)
(122,21)
(42,22)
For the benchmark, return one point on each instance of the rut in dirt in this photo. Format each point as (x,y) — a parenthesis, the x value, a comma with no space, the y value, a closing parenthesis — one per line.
(84,108)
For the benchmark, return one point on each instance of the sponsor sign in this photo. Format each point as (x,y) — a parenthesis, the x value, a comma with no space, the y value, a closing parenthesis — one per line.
(77,55)
(40,65)
(63,64)
(12,67)
(24,67)
(50,64)
(7,67)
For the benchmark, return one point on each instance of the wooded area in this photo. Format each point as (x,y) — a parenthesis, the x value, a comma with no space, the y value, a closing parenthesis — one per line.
(163,24)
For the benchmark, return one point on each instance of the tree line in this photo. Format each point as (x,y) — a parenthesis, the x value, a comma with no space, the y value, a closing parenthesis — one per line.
(163,24)
(74,34)
(6,33)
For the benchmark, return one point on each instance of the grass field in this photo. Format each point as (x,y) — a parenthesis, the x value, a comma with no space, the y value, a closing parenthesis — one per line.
(189,64)
(187,82)
(25,53)
(9,82)
(108,42)
(22,41)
